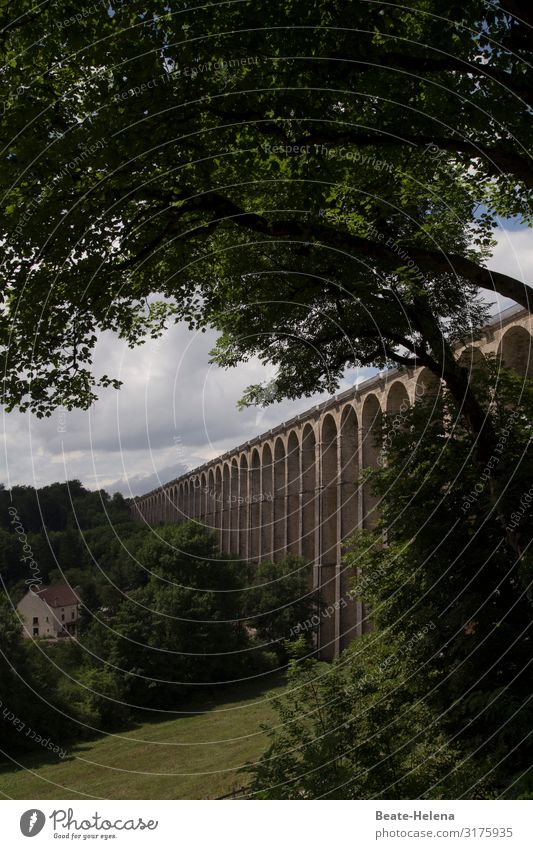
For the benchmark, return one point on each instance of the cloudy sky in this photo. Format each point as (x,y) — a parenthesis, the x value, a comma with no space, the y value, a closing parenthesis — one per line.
(174,412)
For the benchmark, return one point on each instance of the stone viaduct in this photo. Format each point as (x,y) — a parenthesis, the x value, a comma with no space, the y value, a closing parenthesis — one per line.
(293,489)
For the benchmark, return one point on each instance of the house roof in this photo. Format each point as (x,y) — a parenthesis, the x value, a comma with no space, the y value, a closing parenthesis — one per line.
(59,595)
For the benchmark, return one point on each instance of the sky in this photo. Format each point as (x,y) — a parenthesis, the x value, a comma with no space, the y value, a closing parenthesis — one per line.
(174,412)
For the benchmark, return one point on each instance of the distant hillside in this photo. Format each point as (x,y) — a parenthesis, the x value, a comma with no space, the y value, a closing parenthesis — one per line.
(59,532)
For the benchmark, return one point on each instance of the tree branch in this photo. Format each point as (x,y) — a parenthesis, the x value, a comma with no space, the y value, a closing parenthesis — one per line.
(498,157)
(430,261)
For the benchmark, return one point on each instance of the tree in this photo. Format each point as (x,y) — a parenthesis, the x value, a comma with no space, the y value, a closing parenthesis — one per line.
(349,731)
(68,533)
(436,700)
(279,602)
(330,209)
(450,562)
(10,570)
(184,627)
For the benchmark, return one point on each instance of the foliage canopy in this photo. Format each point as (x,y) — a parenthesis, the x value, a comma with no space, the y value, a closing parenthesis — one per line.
(322,186)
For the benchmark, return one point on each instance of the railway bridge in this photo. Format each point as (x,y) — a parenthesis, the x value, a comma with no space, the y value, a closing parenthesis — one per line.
(293,489)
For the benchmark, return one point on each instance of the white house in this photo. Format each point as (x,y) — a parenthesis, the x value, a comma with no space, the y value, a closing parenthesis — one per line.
(51,612)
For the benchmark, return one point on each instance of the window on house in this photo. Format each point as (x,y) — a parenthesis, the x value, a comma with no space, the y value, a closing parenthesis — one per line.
(72,615)
(35,632)
(62,617)
(35,620)
(47,619)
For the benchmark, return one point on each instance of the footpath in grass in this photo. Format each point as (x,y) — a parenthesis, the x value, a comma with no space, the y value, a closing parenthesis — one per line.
(195,756)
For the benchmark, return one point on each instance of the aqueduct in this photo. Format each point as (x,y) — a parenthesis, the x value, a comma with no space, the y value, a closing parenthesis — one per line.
(293,489)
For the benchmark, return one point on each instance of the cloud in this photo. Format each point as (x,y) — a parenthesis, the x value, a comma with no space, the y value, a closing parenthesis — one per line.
(513,255)
(139,484)
(174,412)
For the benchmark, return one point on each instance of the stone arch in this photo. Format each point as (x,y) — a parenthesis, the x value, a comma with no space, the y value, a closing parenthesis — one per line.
(193,489)
(187,499)
(226,513)
(349,470)
(308,494)
(349,505)
(396,407)
(218,504)
(255,506)
(244,506)
(371,447)
(178,503)
(174,499)
(516,350)
(329,511)
(198,497)
(192,497)
(329,530)
(267,489)
(234,507)
(428,390)
(427,386)
(397,399)
(203,498)
(279,503)
(371,425)
(210,498)
(294,533)
(188,495)
(472,358)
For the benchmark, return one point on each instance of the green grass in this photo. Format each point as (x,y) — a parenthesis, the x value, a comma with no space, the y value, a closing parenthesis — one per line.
(191,757)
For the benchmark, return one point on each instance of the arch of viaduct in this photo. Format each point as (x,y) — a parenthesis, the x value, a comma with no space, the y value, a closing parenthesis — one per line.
(293,489)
